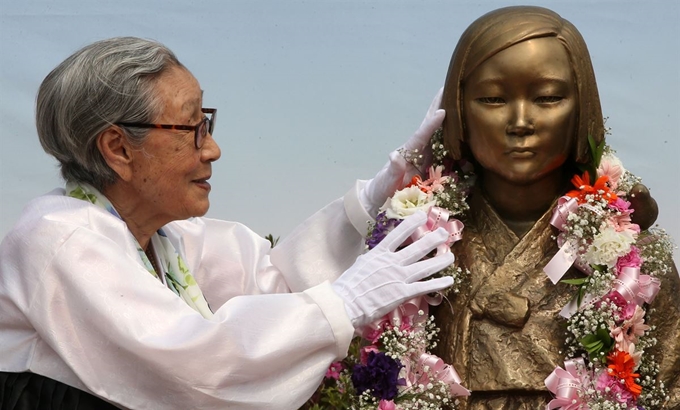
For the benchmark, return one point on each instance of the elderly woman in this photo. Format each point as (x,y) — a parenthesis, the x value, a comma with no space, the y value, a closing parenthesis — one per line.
(522,101)
(115,286)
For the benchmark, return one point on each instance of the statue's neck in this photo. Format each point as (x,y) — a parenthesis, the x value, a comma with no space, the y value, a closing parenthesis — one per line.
(521,205)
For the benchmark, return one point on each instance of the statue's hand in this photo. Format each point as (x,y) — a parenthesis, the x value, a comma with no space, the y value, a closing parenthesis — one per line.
(646,209)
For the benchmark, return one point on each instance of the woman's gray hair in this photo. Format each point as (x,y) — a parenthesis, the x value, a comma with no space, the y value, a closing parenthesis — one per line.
(106,82)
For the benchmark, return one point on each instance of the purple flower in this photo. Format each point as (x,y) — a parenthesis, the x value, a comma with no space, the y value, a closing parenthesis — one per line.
(380,375)
(383,226)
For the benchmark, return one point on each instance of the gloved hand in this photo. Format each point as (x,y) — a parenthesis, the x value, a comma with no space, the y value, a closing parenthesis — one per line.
(397,172)
(384,278)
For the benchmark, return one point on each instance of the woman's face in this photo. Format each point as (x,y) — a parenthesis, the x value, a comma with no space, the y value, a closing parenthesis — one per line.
(170,175)
(520,110)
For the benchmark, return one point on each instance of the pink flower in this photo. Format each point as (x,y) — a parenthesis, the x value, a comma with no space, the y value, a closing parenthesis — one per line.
(630,330)
(373,335)
(616,298)
(622,339)
(406,324)
(629,311)
(620,205)
(435,182)
(636,324)
(622,222)
(630,260)
(611,167)
(635,354)
(387,405)
(613,388)
(334,370)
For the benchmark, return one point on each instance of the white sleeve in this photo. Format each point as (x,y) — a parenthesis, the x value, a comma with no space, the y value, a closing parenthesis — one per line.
(133,342)
(325,245)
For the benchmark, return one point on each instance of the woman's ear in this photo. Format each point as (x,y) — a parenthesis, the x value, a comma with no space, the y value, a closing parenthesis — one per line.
(116,151)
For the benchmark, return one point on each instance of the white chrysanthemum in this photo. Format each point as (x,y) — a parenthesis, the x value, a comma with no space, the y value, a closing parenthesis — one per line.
(609,245)
(407,202)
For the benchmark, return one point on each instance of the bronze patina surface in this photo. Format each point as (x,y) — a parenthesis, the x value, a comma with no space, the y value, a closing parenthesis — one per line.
(521,100)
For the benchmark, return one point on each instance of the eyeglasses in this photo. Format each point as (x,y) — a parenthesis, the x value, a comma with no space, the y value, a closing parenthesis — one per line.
(207,125)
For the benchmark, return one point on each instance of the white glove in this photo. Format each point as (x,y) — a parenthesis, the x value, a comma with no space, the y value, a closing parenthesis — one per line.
(383,279)
(397,172)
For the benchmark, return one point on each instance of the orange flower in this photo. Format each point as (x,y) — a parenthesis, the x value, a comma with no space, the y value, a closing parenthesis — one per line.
(621,365)
(599,190)
(414,181)
(417,181)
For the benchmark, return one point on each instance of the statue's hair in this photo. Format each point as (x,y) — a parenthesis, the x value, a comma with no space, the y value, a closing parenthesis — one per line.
(106,82)
(501,29)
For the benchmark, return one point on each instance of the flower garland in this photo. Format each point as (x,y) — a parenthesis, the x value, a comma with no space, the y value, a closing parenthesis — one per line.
(390,367)
(605,365)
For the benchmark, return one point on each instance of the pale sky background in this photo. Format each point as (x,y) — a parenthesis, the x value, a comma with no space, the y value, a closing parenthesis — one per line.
(314,94)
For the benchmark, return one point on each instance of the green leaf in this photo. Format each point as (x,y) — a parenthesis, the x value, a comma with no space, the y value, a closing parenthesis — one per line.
(577,281)
(593,147)
(599,268)
(79,193)
(581,283)
(596,152)
(581,294)
(599,342)
(607,340)
(598,156)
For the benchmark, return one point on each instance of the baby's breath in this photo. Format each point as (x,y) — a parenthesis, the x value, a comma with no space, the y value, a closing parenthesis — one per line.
(591,331)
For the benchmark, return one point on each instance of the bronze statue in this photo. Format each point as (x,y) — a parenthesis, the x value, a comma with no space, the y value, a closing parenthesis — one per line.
(521,100)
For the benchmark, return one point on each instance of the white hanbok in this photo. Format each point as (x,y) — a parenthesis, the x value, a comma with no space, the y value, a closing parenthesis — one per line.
(77,305)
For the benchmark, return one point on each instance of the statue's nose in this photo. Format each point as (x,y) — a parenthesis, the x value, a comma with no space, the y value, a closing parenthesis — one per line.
(520,123)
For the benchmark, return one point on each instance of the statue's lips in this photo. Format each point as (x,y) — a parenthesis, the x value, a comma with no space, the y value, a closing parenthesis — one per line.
(520,153)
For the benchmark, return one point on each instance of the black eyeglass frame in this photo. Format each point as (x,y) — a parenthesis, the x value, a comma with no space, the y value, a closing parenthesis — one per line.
(199,136)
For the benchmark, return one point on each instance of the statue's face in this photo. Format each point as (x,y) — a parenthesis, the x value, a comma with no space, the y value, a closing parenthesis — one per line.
(521,110)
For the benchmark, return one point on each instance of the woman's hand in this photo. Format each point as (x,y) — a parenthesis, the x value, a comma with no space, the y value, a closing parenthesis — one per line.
(398,171)
(384,278)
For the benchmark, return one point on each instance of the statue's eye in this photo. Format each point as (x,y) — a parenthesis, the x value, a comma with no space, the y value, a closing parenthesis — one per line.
(549,99)
(491,100)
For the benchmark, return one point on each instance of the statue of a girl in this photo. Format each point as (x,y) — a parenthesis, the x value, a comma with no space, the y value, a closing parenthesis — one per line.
(521,102)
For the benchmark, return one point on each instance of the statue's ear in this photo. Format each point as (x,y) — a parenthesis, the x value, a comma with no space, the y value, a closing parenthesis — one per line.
(116,151)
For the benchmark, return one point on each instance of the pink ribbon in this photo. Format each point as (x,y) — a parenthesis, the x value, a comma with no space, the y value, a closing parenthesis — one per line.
(566,256)
(635,287)
(566,385)
(572,307)
(560,263)
(565,206)
(440,371)
(439,218)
